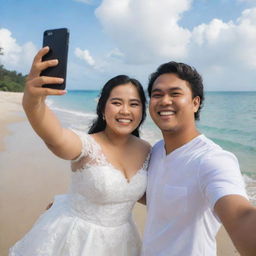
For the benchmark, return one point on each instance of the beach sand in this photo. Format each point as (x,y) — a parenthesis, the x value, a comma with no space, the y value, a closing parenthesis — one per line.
(30,176)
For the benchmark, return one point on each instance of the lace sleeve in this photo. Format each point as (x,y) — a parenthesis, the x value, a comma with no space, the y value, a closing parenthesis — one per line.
(82,137)
(90,153)
(146,162)
(86,151)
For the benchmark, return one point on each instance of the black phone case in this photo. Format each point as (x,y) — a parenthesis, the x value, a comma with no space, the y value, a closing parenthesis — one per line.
(57,40)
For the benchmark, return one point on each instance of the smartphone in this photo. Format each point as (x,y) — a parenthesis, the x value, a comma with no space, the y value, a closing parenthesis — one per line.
(57,40)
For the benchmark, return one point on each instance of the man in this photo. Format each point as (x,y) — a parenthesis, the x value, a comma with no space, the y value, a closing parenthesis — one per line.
(194,185)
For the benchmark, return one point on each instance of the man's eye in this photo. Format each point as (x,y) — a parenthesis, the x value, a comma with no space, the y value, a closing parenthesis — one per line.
(156,95)
(175,94)
(135,104)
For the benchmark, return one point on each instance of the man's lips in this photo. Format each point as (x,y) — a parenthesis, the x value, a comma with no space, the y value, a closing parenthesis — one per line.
(166,113)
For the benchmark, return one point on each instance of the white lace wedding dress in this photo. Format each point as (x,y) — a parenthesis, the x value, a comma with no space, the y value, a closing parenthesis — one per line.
(95,217)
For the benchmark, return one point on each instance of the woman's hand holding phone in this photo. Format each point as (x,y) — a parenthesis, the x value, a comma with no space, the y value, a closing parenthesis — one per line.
(48,72)
(34,82)
(42,119)
(44,80)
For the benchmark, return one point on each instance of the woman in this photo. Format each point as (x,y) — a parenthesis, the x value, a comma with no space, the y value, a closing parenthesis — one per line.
(109,171)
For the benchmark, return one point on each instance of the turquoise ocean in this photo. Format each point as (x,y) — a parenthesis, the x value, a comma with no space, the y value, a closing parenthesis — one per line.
(228,118)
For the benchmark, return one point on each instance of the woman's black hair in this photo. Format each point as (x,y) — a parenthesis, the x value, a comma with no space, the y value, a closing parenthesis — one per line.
(99,124)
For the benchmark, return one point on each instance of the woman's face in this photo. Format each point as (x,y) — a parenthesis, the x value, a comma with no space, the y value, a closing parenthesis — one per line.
(123,110)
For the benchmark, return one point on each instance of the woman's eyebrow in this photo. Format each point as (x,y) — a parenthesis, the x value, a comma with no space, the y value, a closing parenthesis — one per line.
(137,100)
(116,98)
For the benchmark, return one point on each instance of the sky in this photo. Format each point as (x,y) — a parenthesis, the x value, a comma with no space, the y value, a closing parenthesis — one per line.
(134,37)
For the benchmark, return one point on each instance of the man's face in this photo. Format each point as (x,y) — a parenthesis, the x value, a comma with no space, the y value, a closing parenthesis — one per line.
(171,104)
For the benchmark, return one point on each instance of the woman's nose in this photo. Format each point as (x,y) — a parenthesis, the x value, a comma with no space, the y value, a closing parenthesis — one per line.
(124,109)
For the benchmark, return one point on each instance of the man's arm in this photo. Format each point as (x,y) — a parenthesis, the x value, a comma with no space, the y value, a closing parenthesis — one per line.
(239,219)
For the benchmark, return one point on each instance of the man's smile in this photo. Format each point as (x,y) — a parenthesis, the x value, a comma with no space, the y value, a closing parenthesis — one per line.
(166,113)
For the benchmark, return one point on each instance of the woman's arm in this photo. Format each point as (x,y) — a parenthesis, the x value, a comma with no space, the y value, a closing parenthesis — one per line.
(62,142)
(143,199)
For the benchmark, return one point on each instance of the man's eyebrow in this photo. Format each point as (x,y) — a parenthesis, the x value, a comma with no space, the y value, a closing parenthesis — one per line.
(156,90)
(175,89)
(169,89)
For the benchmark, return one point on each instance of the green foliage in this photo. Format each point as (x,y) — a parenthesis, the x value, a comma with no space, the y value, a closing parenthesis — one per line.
(11,80)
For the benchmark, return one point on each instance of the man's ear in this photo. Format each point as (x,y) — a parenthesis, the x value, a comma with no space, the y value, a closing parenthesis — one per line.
(196,103)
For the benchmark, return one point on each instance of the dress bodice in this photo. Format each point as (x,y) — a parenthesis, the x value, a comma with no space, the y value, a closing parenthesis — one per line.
(99,192)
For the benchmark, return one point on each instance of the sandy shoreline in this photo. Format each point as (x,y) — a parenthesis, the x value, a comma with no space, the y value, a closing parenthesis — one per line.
(30,176)
(10,111)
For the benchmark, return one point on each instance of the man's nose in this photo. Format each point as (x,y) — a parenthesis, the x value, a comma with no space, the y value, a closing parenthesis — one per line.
(166,100)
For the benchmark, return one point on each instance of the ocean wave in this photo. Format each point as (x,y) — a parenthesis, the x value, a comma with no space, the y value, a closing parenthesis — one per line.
(250,183)
(150,135)
(49,102)
(226,130)
(74,112)
(234,145)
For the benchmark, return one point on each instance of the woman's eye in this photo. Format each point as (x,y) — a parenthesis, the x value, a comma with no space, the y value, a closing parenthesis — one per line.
(135,104)
(116,103)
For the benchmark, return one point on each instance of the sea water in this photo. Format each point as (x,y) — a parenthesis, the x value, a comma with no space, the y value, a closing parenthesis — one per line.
(228,118)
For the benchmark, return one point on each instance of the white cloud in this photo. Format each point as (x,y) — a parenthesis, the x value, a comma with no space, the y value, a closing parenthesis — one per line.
(225,52)
(115,53)
(86,56)
(226,43)
(211,33)
(18,57)
(146,30)
(10,48)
